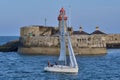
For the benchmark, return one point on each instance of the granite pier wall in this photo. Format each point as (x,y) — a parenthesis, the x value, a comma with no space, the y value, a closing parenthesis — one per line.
(45,40)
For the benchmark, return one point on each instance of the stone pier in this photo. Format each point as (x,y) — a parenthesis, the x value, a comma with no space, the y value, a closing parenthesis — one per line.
(56,51)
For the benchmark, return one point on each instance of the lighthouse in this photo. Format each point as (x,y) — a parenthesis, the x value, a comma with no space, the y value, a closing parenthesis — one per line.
(62,18)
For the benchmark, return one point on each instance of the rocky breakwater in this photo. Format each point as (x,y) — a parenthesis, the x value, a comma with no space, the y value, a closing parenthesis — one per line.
(11,46)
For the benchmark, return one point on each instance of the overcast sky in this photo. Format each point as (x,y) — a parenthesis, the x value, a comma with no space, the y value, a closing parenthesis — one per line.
(87,13)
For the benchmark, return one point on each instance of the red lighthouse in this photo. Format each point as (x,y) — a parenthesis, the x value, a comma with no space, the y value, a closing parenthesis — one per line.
(63,16)
(62,13)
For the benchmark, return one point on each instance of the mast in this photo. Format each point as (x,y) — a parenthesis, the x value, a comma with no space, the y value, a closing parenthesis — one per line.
(69,15)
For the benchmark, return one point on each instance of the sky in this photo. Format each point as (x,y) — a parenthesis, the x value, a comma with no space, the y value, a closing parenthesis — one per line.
(15,14)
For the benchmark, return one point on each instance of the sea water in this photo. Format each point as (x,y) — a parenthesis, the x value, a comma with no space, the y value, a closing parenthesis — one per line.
(14,66)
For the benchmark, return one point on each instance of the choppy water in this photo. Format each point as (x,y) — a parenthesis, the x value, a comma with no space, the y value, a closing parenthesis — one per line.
(14,66)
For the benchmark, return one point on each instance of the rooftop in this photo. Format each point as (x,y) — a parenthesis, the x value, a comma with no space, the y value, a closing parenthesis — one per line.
(97,31)
(80,33)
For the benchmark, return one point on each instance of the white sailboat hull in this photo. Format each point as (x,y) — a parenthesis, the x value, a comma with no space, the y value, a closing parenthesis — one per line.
(61,69)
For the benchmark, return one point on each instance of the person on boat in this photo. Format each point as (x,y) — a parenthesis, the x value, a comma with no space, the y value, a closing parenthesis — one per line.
(56,63)
(48,63)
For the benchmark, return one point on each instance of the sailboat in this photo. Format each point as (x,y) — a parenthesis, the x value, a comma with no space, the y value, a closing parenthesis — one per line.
(67,67)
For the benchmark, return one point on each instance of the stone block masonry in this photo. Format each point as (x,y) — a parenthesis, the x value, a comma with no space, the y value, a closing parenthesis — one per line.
(50,43)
